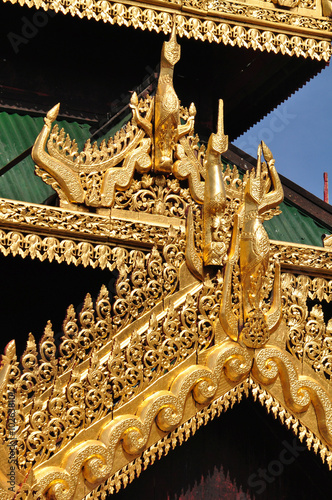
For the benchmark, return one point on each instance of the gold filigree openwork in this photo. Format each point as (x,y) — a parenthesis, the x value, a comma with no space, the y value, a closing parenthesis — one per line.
(310,327)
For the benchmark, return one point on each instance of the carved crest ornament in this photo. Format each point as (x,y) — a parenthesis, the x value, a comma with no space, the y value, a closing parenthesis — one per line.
(206,308)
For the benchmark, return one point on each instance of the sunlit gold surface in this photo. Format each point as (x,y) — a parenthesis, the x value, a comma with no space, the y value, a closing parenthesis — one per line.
(253,321)
(215,237)
(296,28)
(205,308)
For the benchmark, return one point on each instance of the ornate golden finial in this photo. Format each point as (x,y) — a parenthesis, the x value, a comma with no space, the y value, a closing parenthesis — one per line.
(215,196)
(255,324)
(168,128)
(167,106)
(88,180)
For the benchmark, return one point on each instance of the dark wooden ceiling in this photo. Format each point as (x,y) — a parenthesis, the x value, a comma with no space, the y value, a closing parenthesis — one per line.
(91,68)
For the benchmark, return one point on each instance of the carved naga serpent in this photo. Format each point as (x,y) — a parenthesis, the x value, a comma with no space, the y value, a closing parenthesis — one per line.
(250,243)
(68,173)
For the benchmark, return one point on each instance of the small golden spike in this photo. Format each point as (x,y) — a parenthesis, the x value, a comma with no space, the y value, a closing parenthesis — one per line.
(220,128)
(259,160)
(142,122)
(134,99)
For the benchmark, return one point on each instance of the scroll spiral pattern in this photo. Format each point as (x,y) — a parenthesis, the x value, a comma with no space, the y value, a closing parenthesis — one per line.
(166,408)
(310,331)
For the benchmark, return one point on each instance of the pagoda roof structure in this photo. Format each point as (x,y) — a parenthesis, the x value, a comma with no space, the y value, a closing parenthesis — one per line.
(254,62)
(202,301)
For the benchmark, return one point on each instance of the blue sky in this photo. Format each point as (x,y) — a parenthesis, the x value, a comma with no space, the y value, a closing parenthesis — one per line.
(299,134)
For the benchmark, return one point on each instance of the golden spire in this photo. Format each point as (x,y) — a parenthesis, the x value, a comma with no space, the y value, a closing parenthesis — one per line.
(167,106)
(215,196)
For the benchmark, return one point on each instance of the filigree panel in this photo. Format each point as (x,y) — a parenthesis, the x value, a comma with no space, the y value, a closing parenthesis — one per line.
(54,403)
(181,332)
(84,225)
(303,257)
(310,328)
(45,218)
(56,389)
(63,250)
(288,17)
(155,195)
(305,4)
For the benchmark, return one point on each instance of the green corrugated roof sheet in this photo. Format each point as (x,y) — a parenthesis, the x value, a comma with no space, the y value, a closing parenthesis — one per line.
(18,133)
(294,226)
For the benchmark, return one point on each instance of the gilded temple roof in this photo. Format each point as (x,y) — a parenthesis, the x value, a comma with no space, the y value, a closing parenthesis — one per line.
(18,132)
(205,309)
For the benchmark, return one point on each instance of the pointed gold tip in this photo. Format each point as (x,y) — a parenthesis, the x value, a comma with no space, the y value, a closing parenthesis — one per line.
(134,99)
(53,113)
(259,152)
(267,152)
(171,51)
(192,109)
(10,349)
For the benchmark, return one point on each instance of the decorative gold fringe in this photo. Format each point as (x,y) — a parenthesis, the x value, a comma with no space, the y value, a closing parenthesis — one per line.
(287,418)
(204,26)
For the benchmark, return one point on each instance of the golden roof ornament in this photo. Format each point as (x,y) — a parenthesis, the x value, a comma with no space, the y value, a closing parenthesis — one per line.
(215,196)
(89,179)
(205,310)
(250,244)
